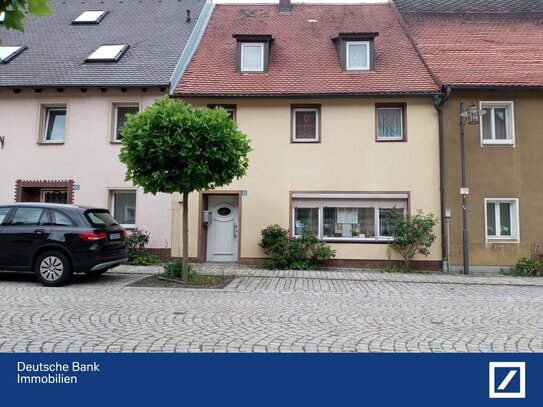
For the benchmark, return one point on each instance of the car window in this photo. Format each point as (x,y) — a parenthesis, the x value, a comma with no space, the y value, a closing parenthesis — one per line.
(100,218)
(61,219)
(29,216)
(3,213)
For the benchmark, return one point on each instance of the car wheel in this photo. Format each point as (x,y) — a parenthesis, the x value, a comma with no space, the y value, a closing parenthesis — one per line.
(94,273)
(53,269)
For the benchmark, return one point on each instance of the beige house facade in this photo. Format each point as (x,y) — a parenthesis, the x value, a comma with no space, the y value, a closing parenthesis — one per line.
(347,173)
(342,125)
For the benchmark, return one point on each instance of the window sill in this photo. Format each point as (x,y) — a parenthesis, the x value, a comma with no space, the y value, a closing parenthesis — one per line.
(45,143)
(501,240)
(115,142)
(372,240)
(302,141)
(507,143)
(391,139)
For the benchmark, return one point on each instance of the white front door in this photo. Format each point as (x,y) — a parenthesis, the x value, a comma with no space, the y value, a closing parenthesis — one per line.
(223,230)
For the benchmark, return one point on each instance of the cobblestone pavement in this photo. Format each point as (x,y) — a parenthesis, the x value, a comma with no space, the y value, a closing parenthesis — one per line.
(263,311)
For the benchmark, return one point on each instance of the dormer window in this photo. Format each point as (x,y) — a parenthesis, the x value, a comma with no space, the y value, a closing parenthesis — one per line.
(356,51)
(90,17)
(253,52)
(252,57)
(357,55)
(8,53)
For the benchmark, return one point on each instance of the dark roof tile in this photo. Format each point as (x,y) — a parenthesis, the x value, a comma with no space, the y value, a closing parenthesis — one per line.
(155,30)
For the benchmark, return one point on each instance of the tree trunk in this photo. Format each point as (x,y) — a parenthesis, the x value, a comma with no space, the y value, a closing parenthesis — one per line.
(185,271)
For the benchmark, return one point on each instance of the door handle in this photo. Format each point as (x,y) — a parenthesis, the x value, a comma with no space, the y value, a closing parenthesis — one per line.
(39,231)
(235,230)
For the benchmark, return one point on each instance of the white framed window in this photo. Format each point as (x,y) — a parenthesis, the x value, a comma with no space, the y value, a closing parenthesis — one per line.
(357,55)
(347,217)
(122,206)
(90,17)
(54,124)
(7,53)
(305,124)
(107,53)
(252,57)
(502,220)
(390,122)
(498,124)
(119,115)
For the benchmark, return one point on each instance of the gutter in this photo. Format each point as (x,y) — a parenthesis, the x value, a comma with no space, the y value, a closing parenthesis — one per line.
(303,95)
(439,101)
(192,44)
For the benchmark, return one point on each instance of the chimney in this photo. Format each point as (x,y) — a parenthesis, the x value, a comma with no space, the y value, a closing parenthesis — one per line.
(285,7)
(188,16)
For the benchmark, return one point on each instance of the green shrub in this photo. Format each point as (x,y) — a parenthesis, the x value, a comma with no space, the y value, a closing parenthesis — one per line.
(145,259)
(136,242)
(306,252)
(412,235)
(528,266)
(174,271)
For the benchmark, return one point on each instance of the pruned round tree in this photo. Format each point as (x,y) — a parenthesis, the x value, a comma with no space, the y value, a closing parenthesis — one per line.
(171,147)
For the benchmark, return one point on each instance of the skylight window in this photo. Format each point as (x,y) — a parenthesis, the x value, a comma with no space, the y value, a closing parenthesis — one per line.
(90,17)
(8,53)
(108,53)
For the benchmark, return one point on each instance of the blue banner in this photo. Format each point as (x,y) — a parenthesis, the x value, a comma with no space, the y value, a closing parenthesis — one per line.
(85,379)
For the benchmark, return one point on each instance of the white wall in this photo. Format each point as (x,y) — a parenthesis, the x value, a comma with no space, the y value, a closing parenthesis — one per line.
(87,155)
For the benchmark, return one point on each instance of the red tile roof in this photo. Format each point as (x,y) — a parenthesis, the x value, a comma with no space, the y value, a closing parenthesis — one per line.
(481,49)
(303,57)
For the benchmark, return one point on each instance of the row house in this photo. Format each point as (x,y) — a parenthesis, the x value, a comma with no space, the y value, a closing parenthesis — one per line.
(66,85)
(339,108)
(488,55)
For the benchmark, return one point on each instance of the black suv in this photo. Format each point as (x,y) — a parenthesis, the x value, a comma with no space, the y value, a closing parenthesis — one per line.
(57,240)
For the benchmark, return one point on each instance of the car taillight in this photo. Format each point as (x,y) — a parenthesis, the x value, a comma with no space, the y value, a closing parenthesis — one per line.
(124,233)
(93,236)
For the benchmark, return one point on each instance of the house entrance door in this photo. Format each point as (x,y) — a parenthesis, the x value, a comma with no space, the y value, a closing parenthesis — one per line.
(222,233)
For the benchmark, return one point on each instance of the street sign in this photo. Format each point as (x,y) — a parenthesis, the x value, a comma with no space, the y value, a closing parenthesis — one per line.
(464,191)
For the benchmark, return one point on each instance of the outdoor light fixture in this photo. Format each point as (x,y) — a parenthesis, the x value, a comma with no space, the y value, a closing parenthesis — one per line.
(472,116)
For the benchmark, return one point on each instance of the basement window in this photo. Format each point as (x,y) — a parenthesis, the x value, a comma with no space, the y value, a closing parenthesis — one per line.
(90,17)
(108,53)
(7,53)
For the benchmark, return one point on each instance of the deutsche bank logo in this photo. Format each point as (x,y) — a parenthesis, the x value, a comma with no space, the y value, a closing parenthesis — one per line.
(507,380)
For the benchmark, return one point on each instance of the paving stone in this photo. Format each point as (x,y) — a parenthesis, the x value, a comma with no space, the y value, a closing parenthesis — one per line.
(341,310)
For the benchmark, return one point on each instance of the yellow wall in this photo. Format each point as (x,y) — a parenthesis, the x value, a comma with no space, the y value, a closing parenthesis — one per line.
(347,159)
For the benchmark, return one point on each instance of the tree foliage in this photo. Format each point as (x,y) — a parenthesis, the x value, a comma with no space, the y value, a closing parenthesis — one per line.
(413,235)
(171,147)
(16,11)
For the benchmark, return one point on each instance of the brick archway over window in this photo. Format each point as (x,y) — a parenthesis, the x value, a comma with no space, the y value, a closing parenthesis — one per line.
(20,184)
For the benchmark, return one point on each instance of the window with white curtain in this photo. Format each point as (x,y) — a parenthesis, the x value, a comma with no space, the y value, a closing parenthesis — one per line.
(358,55)
(390,122)
(346,216)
